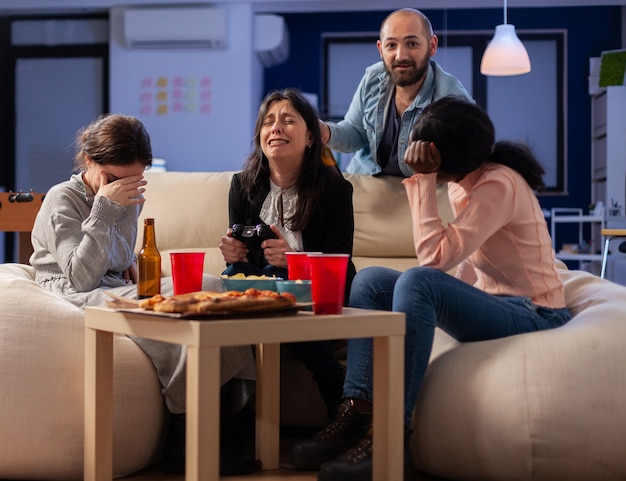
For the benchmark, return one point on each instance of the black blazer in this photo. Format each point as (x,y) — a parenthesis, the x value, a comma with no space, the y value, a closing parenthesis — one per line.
(331,229)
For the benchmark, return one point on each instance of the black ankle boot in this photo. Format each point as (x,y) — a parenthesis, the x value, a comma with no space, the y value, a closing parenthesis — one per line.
(340,435)
(356,463)
(237,427)
(173,459)
(237,455)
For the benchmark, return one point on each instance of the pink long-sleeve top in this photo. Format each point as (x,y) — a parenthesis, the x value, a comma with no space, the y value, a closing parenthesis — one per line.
(498,241)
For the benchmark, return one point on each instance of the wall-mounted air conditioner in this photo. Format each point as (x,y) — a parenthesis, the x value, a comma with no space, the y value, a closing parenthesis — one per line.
(179,27)
(271,39)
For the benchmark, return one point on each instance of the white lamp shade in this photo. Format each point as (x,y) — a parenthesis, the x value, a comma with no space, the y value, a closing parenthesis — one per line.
(505,54)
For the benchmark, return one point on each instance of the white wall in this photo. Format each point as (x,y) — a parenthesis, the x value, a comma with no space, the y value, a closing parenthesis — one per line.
(284,6)
(199,105)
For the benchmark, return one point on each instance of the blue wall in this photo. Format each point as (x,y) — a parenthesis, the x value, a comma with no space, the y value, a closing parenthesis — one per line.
(590,31)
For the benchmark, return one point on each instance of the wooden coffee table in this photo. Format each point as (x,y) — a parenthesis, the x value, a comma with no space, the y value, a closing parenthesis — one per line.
(203,339)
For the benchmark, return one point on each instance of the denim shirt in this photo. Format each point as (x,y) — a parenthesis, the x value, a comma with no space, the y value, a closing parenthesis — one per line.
(361,129)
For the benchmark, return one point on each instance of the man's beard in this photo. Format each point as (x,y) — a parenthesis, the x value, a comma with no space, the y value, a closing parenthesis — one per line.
(410,77)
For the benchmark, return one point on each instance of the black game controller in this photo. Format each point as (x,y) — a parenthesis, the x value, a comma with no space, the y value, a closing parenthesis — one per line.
(253,235)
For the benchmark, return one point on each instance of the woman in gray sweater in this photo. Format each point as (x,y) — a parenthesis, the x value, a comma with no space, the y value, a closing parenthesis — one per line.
(84,238)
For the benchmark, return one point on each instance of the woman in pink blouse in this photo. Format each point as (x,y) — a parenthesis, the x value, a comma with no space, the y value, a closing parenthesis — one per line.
(506,281)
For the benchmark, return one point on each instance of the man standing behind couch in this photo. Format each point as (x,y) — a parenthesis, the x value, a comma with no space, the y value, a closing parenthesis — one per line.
(391,96)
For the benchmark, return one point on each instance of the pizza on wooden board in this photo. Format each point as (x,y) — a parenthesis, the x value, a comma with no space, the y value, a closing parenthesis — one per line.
(206,302)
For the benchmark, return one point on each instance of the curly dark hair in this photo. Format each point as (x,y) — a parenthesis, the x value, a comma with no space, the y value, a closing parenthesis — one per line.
(465,136)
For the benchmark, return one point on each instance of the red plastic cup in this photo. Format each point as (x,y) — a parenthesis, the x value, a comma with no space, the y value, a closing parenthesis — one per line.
(328,282)
(187,269)
(298,265)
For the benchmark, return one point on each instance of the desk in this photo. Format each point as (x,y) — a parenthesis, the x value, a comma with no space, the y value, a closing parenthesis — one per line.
(204,338)
(609,235)
(574,216)
(17,214)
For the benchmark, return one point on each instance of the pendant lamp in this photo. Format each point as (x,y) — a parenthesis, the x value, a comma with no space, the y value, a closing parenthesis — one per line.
(505,54)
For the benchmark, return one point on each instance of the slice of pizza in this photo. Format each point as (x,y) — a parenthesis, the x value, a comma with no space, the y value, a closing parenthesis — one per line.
(150,302)
(170,304)
(206,302)
(251,300)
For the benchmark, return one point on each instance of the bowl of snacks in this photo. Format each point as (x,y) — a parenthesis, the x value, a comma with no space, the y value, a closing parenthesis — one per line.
(241,282)
(300,289)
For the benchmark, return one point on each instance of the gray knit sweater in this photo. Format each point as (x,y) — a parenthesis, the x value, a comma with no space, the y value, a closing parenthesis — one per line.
(82,241)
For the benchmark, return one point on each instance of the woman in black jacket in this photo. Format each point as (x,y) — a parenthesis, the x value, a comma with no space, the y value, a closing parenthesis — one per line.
(302,202)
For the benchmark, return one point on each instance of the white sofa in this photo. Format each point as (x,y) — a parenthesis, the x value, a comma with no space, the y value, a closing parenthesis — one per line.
(544,406)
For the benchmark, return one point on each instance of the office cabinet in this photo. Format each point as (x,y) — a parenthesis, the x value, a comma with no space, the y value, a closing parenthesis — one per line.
(608,147)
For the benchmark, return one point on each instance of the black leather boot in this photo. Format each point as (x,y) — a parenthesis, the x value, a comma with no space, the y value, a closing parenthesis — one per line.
(237,454)
(236,433)
(173,459)
(356,463)
(236,445)
(339,436)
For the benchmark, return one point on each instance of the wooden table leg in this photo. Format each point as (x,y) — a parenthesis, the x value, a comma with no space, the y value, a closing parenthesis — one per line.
(268,405)
(388,415)
(98,462)
(202,455)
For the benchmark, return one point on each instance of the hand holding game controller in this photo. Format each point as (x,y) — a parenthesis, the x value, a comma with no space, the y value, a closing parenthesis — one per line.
(253,235)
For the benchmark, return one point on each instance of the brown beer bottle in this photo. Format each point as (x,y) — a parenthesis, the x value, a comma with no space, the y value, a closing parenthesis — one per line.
(149,263)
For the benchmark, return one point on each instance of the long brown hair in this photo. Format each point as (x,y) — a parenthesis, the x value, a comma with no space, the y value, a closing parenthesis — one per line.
(311,177)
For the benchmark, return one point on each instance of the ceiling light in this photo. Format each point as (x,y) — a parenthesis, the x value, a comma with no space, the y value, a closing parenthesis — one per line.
(505,54)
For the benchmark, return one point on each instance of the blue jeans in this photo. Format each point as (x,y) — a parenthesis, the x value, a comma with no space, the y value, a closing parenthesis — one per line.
(431,298)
